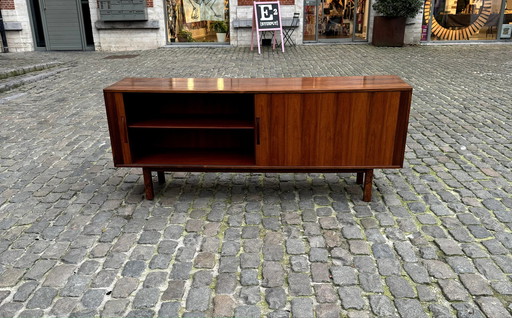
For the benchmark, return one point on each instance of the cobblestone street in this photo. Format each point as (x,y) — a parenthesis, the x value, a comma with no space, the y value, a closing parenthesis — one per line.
(78,239)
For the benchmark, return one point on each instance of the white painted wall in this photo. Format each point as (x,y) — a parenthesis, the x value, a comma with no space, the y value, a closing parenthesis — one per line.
(130,39)
(19,41)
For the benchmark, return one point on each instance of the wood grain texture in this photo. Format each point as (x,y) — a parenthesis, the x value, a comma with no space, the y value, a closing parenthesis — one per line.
(328,129)
(260,85)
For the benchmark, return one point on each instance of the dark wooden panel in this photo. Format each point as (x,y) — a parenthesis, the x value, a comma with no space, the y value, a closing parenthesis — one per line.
(113,124)
(122,126)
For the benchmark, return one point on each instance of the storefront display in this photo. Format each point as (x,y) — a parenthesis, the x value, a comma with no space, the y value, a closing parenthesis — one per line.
(458,20)
(195,20)
(335,19)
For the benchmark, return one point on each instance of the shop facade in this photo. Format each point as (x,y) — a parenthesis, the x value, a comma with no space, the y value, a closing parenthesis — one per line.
(119,25)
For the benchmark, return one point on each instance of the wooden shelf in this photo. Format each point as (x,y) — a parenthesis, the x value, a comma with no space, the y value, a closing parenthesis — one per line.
(197,157)
(194,123)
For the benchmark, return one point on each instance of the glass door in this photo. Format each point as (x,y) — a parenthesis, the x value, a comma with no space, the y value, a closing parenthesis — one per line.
(335,20)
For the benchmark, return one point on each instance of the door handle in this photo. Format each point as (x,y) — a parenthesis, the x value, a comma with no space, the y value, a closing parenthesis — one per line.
(257,130)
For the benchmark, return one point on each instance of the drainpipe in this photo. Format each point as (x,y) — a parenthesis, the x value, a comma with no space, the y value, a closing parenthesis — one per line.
(4,36)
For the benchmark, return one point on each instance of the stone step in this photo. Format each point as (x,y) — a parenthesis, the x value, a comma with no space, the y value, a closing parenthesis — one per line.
(34,75)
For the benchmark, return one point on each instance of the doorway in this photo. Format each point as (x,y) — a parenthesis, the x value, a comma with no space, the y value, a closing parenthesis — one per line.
(336,20)
(61,25)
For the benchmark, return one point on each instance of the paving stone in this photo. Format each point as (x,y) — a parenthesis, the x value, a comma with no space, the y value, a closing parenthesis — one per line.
(104,278)
(476,284)
(425,293)
(351,297)
(64,306)
(249,277)
(449,247)
(247,311)
(295,246)
(10,309)
(155,279)
(76,286)
(42,299)
(341,254)
(169,310)
(461,265)
(318,255)
(181,271)
(370,283)
(24,291)
(275,297)
(175,290)
(343,275)
(226,283)
(124,287)
(146,298)
(302,308)
(382,251)
(439,269)
(467,310)
(93,298)
(382,306)
(399,287)
(223,306)
(299,284)
(198,299)
(10,277)
(410,308)
(40,268)
(492,307)
(250,260)
(250,295)
(325,293)
(453,290)
(320,272)
(327,311)
(273,274)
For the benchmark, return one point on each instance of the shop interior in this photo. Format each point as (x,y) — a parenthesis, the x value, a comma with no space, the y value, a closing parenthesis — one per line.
(335,19)
(197,21)
(458,16)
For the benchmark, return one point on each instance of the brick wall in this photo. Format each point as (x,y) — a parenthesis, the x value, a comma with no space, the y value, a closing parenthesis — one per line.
(249,2)
(6,4)
(149,3)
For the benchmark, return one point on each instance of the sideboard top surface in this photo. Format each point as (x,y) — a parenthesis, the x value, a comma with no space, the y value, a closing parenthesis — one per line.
(260,85)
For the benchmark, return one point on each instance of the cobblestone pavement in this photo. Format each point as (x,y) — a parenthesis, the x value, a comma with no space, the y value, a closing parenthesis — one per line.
(77,238)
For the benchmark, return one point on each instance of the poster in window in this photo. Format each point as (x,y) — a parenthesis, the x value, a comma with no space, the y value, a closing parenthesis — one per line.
(203,10)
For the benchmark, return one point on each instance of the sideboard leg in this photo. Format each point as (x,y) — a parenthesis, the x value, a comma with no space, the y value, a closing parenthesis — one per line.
(360,176)
(148,184)
(367,187)
(161,177)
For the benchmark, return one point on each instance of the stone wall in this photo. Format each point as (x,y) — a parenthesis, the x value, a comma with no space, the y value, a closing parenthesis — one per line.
(136,35)
(18,40)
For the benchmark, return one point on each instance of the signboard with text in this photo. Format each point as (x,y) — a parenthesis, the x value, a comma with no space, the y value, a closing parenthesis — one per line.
(266,17)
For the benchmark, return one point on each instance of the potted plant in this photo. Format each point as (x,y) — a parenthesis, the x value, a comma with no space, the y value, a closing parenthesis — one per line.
(185,36)
(221,29)
(389,28)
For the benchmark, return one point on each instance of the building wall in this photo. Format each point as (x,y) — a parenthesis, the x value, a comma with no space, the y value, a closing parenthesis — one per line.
(150,38)
(130,38)
(16,12)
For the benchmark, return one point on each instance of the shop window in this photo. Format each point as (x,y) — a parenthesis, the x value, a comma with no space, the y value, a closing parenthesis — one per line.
(454,20)
(197,20)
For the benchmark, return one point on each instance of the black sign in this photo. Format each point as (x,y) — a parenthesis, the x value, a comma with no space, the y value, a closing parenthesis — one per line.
(267,15)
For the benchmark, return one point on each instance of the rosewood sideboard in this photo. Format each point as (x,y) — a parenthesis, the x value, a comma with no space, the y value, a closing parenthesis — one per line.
(317,124)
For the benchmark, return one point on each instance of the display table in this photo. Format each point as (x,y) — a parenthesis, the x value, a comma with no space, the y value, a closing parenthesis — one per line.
(320,124)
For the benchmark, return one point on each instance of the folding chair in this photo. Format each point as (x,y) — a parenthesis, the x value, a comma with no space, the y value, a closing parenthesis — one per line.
(288,30)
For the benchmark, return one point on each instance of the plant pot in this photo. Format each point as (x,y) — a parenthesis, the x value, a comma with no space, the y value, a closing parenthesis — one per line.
(221,37)
(388,31)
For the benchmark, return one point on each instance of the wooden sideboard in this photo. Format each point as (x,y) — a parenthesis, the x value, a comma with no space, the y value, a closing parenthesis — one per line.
(317,124)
